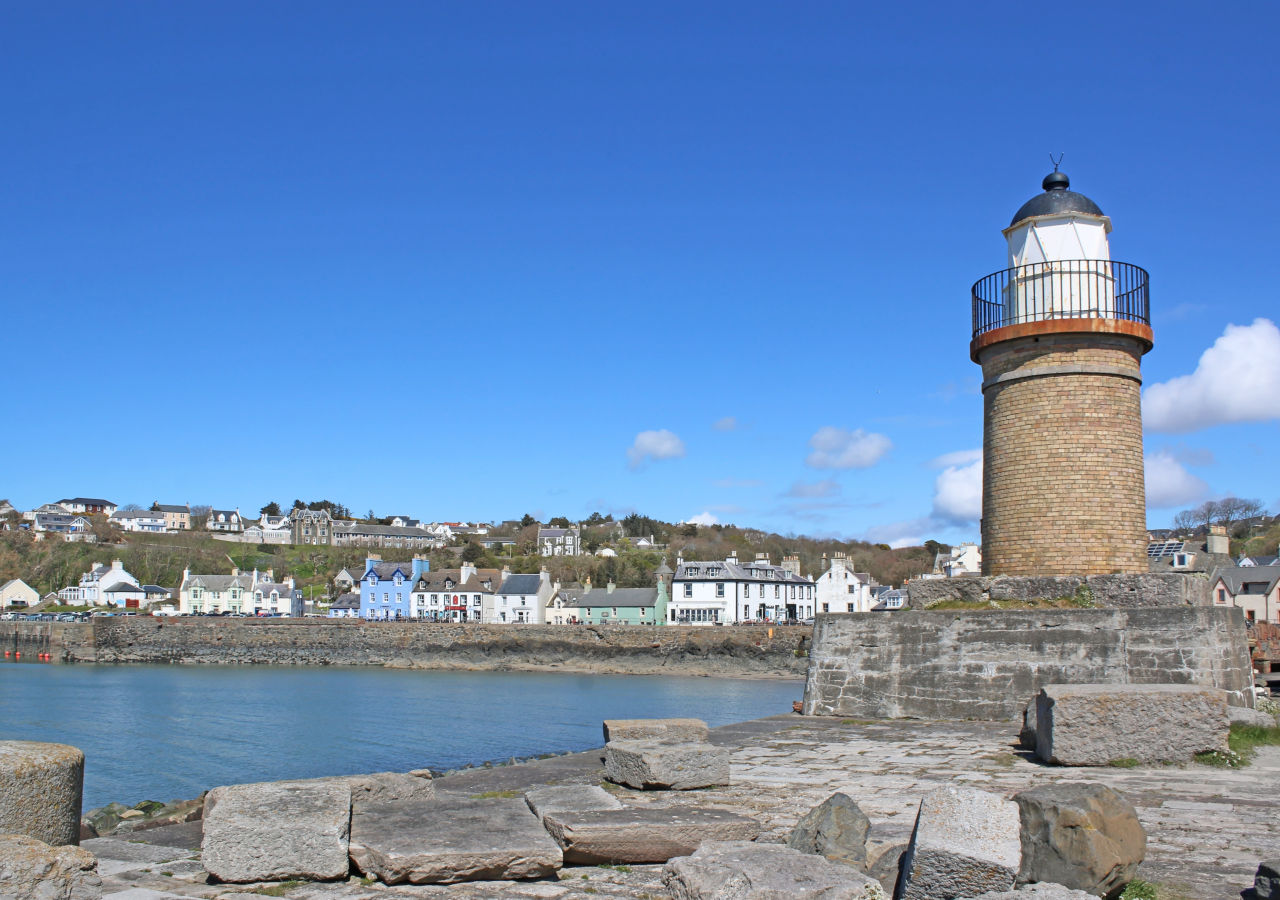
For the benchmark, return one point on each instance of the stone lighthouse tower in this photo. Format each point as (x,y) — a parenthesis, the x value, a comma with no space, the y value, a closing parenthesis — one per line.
(1060,335)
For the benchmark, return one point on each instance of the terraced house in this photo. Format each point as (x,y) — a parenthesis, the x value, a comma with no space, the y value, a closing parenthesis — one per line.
(455,595)
(386,589)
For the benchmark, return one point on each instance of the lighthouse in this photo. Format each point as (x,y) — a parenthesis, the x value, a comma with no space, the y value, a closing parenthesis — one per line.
(1060,334)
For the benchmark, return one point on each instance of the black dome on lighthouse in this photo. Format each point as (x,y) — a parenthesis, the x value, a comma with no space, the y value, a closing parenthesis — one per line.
(1056,199)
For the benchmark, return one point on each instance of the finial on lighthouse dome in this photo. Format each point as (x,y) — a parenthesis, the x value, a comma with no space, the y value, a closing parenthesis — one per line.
(1058,198)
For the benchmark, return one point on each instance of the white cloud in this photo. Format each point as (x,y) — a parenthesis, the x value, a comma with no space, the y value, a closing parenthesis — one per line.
(1236,380)
(839,448)
(908,533)
(703,518)
(957,458)
(957,492)
(1169,484)
(825,488)
(728,423)
(652,445)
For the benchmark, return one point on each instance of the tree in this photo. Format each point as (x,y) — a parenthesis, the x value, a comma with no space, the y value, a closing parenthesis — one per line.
(559,522)
(298,504)
(526,520)
(688,529)
(371,517)
(472,552)
(271,509)
(1231,510)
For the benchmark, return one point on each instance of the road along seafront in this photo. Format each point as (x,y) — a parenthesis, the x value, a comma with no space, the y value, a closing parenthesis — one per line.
(1207,828)
(738,650)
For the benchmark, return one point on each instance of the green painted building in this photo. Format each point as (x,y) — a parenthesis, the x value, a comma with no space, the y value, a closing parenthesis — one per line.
(609,605)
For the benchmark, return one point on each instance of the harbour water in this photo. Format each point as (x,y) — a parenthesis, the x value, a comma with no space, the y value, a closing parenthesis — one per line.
(170,732)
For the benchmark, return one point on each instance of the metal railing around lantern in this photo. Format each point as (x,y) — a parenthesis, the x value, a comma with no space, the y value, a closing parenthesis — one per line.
(1061,289)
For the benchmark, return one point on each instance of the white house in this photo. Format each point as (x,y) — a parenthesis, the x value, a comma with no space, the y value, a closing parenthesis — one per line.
(224,520)
(124,594)
(272,598)
(962,559)
(18,593)
(520,599)
(1254,589)
(729,592)
(93,584)
(141,520)
(232,593)
(87,506)
(839,589)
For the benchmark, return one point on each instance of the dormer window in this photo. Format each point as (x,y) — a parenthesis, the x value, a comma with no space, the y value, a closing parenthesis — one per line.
(373,578)
(399,579)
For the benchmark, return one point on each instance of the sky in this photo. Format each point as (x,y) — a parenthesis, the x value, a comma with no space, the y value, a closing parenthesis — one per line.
(704,261)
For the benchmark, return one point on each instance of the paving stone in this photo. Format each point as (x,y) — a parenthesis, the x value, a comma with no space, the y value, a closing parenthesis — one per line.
(1094,724)
(116,855)
(445,841)
(277,831)
(564,797)
(744,870)
(965,842)
(30,868)
(1083,835)
(138,893)
(647,765)
(643,835)
(1045,891)
(675,730)
(836,828)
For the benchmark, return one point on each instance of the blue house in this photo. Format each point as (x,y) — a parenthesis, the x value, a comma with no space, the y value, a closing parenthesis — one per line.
(387,587)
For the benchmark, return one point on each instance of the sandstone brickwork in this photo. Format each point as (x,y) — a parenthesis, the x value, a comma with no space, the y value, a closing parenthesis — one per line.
(1063,482)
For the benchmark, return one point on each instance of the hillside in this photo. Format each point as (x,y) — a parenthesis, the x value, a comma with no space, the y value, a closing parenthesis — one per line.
(159,559)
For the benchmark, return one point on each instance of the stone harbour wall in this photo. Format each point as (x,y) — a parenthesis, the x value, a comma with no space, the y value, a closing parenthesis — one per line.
(989,664)
(725,650)
(1148,590)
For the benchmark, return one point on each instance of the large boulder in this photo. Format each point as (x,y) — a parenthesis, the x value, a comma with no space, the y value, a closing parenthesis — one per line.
(1095,724)
(965,842)
(40,790)
(836,828)
(276,831)
(33,870)
(645,835)
(544,801)
(745,870)
(1084,835)
(447,841)
(1266,883)
(650,765)
(674,730)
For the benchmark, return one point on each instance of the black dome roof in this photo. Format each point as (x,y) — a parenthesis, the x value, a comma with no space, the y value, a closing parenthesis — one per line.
(1055,199)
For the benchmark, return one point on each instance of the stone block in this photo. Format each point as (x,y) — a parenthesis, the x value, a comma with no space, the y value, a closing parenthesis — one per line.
(648,765)
(116,855)
(40,791)
(277,831)
(447,841)
(744,870)
(569,797)
(645,835)
(965,842)
(1266,883)
(836,828)
(1240,715)
(677,730)
(380,787)
(1027,733)
(884,864)
(30,868)
(1093,724)
(1046,891)
(1084,836)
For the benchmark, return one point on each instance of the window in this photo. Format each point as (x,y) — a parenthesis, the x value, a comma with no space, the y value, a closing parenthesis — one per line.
(761,591)
(386,598)
(851,588)
(1222,595)
(373,578)
(719,588)
(826,607)
(850,607)
(688,589)
(776,590)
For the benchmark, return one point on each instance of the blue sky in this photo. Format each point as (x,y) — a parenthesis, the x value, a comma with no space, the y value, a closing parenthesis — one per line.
(464,261)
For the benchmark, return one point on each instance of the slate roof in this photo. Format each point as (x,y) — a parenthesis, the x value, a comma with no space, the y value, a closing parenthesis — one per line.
(355,528)
(346,601)
(136,514)
(221,582)
(266,587)
(552,532)
(387,570)
(1236,577)
(598,597)
(125,587)
(521,584)
(172,508)
(1261,560)
(434,581)
(88,501)
(718,570)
